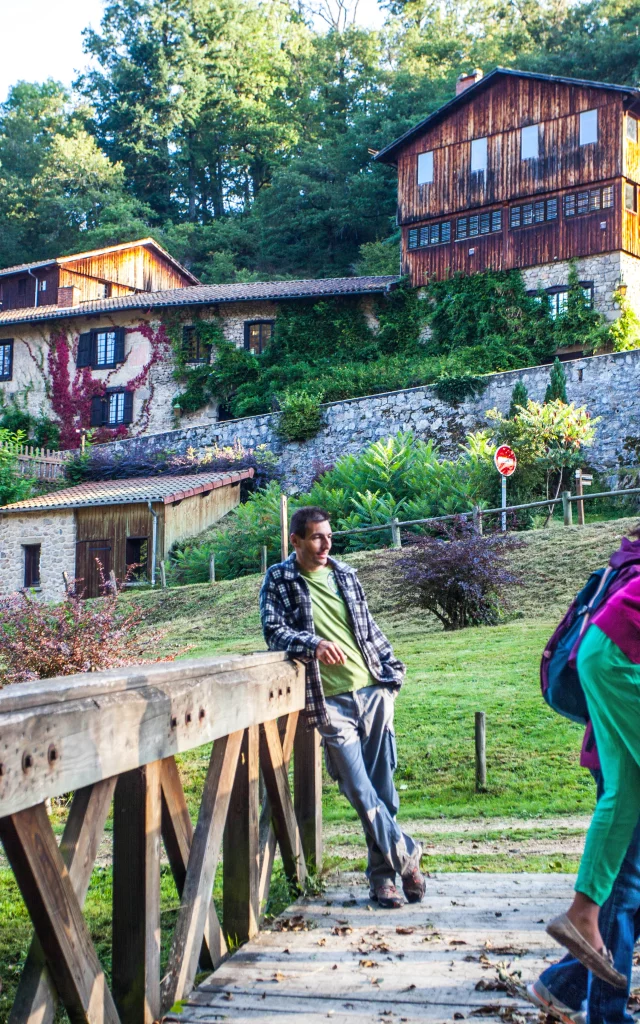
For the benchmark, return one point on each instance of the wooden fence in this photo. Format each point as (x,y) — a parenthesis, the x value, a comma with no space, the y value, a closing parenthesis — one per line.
(112,737)
(39,462)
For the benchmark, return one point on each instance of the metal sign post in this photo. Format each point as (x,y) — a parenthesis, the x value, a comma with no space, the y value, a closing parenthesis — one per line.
(505,462)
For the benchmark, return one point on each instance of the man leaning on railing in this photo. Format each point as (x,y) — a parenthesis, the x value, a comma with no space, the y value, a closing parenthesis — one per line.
(313,607)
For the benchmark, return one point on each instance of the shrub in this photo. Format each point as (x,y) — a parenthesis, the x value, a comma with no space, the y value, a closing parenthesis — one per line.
(13,485)
(300,415)
(455,390)
(519,399)
(460,576)
(557,386)
(38,641)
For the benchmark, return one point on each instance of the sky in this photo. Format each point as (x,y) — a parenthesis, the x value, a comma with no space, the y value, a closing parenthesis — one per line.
(41,39)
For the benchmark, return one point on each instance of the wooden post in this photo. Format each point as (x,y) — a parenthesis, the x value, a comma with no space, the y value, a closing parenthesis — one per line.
(264,557)
(481,752)
(307,792)
(566,508)
(113,583)
(241,846)
(212,569)
(477,520)
(136,894)
(580,491)
(65,580)
(163,574)
(396,539)
(284,527)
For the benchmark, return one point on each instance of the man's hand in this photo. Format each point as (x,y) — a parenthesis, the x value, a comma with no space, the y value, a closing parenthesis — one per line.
(330,654)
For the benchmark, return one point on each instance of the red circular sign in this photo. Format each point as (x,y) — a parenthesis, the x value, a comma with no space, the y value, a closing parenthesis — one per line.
(505,460)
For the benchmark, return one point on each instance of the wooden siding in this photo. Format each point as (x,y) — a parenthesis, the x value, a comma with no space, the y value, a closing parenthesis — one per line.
(14,295)
(498,114)
(511,248)
(127,270)
(631,169)
(112,524)
(191,516)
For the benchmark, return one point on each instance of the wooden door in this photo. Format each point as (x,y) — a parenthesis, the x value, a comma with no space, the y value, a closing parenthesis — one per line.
(88,554)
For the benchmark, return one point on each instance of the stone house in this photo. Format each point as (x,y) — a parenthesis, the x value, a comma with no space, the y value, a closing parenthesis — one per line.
(126,525)
(99,352)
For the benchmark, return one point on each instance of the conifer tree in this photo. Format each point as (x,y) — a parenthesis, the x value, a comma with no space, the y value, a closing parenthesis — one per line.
(519,399)
(557,386)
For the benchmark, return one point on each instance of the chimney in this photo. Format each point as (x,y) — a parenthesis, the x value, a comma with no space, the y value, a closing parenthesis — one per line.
(68,295)
(464,81)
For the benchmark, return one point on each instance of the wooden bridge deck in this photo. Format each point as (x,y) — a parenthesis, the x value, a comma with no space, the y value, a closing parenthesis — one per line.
(341,957)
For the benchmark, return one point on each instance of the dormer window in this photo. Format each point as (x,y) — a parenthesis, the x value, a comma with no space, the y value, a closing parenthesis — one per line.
(425,168)
(588,127)
(478,156)
(530,142)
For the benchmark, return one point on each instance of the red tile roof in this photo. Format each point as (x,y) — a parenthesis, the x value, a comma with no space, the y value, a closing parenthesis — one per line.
(128,492)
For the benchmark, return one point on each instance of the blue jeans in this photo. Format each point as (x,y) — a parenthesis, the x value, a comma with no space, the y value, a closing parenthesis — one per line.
(619,922)
(360,754)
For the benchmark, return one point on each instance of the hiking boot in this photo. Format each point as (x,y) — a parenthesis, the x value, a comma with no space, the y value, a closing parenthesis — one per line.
(540,996)
(387,896)
(414,885)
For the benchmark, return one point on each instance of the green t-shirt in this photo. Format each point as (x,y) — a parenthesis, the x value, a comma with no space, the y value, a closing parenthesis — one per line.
(331,622)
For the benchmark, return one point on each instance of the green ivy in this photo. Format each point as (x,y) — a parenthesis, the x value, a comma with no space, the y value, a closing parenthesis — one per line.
(194,378)
(300,415)
(455,390)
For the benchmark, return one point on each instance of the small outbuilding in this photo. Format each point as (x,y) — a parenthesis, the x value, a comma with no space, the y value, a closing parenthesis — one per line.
(120,523)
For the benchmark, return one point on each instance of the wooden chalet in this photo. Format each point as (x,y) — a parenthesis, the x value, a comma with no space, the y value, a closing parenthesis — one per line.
(520,170)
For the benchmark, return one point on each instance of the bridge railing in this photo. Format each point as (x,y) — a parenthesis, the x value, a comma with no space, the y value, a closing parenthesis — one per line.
(112,738)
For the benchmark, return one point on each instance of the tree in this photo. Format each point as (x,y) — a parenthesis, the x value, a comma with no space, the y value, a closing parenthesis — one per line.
(557,386)
(519,399)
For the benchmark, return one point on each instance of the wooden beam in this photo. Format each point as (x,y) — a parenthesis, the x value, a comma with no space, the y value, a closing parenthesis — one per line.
(287,730)
(46,888)
(136,895)
(63,745)
(276,781)
(36,998)
(241,847)
(177,833)
(307,792)
(201,870)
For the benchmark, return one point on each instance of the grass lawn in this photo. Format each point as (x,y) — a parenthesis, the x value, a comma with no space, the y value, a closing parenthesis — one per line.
(532,754)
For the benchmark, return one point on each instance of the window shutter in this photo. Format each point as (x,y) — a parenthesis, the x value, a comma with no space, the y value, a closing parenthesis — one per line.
(84,350)
(8,365)
(98,409)
(119,347)
(128,407)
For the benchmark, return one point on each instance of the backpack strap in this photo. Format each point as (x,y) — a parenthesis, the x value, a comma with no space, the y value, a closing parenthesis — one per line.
(587,616)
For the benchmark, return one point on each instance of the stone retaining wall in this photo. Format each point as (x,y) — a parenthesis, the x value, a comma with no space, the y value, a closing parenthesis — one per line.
(608,385)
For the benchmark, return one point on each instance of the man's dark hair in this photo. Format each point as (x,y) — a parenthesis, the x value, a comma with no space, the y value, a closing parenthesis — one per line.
(307,514)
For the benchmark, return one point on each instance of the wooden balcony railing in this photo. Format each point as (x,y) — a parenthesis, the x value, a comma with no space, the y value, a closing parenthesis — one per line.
(112,737)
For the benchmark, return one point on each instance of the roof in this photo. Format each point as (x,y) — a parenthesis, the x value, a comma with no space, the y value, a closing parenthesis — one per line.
(208,294)
(59,261)
(165,489)
(388,153)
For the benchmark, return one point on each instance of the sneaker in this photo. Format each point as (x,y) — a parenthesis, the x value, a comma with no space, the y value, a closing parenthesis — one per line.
(540,996)
(414,885)
(387,896)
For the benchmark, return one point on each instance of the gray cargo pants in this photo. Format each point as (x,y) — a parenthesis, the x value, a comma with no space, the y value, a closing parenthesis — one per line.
(360,754)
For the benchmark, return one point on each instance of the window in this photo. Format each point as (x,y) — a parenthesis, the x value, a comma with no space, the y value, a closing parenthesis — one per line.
(632,128)
(630,198)
(496,220)
(607,197)
(195,351)
(113,409)
(6,359)
(530,142)
(137,556)
(570,205)
(478,156)
(515,216)
(559,298)
(479,224)
(413,238)
(588,127)
(533,213)
(43,285)
(527,213)
(257,335)
(462,228)
(430,234)
(31,565)
(101,349)
(425,168)
(552,209)
(588,202)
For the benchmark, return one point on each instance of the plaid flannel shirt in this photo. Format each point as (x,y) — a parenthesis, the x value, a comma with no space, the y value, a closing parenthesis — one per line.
(287,623)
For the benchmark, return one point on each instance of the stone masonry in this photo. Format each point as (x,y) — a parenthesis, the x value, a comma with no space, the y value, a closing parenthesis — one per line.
(55,531)
(606,272)
(608,385)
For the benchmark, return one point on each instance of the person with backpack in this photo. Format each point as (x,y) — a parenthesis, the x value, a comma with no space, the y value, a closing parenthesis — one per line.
(607,655)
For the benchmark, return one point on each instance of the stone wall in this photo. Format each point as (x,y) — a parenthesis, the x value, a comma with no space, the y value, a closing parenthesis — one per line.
(55,531)
(606,271)
(608,385)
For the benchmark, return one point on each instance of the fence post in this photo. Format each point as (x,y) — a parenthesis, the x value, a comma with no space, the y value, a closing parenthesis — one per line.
(580,491)
(477,520)
(307,793)
(212,569)
(481,752)
(263,559)
(566,508)
(396,539)
(284,527)
(163,574)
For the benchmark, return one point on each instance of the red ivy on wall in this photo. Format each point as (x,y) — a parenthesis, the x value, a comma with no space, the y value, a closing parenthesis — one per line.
(71,395)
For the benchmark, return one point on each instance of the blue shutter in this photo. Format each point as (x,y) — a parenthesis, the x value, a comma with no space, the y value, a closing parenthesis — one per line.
(98,411)
(84,357)
(128,407)
(119,346)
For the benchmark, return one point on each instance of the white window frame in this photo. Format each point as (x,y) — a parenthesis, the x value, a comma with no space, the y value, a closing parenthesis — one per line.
(530,142)
(425,168)
(105,348)
(479,155)
(116,409)
(588,127)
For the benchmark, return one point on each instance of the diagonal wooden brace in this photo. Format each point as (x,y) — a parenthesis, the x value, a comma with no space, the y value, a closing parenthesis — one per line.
(276,780)
(287,731)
